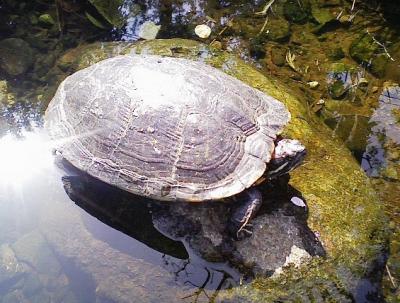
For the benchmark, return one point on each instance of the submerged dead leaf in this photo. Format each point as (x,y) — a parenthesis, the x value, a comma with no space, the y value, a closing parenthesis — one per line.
(94,21)
(149,30)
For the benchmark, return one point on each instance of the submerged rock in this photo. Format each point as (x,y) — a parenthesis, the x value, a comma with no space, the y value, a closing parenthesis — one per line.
(149,30)
(10,268)
(353,129)
(297,11)
(277,29)
(16,56)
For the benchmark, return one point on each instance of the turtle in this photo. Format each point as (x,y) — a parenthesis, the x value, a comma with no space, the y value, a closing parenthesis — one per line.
(172,129)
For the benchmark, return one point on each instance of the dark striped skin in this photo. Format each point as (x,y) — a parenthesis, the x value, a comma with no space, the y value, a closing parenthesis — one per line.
(165,128)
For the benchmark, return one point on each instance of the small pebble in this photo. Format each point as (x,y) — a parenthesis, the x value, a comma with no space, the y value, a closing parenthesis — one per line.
(313,84)
(203,31)
(298,202)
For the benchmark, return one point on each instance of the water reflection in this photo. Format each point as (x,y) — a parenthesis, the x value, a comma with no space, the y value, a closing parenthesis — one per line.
(22,159)
(174,16)
(385,134)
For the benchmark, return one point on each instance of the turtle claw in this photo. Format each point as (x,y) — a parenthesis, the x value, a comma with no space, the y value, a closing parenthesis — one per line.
(244,212)
(244,232)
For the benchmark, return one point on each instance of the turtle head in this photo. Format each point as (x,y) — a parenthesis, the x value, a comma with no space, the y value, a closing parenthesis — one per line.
(288,154)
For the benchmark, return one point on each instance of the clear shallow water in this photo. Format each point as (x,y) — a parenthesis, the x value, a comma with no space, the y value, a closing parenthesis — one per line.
(65,236)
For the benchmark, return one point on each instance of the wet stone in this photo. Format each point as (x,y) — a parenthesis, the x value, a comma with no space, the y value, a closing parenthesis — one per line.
(277,241)
(19,56)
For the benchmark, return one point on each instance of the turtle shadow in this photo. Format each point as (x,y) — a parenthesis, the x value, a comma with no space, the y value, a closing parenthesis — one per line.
(197,232)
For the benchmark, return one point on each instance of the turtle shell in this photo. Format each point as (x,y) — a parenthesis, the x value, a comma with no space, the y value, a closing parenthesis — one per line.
(165,128)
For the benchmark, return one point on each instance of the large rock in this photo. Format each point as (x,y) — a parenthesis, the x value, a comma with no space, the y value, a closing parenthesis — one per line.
(344,211)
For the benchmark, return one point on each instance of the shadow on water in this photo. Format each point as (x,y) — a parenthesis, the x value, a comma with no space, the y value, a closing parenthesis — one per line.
(192,238)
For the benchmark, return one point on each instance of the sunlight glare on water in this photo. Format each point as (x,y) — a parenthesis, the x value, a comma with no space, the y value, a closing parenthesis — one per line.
(22,159)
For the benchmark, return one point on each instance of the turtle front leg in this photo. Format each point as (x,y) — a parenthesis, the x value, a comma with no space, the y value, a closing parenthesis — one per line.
(250,202)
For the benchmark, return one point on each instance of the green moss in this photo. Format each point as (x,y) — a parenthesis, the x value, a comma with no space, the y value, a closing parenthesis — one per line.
(336,53)
(6,98)
(396,114)
(363,48)
(337,89)
(322,15)
(46,19)
(378,65)
(340,67)
(343,208)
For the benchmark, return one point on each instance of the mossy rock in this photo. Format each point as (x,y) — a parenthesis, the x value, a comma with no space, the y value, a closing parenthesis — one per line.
(343,208)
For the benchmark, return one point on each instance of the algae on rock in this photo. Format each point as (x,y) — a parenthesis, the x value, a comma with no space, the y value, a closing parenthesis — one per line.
(344,210)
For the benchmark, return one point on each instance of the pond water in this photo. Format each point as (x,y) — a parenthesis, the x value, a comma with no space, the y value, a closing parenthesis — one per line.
(65,237)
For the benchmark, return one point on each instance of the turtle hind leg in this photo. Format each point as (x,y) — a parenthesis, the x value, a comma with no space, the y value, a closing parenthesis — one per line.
(244,210)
